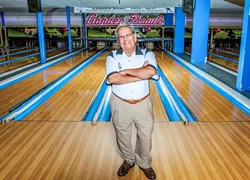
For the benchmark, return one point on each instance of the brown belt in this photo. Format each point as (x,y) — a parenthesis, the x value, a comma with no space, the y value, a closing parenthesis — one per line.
(133,101)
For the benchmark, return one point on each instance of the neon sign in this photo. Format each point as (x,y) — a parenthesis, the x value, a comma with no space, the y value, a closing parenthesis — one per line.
(94,19)
(137,19)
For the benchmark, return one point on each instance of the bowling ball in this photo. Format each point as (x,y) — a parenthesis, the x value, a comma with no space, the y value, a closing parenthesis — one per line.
(148,29)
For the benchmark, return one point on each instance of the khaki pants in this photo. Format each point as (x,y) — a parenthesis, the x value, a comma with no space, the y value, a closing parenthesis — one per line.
(123,116)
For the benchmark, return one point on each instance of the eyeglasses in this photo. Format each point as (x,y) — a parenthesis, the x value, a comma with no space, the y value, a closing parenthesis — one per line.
(128,36)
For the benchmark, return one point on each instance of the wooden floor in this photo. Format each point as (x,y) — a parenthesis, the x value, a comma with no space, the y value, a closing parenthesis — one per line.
(204,102)
(78,150)
(18,92)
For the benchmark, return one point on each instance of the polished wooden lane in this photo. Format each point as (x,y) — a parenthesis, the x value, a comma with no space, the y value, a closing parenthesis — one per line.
(78,150)
(159,111)
(18,92)
(203,101)
(24,62)
(72,101)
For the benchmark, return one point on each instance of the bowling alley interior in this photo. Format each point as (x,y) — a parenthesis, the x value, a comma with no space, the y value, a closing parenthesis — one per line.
(56,116)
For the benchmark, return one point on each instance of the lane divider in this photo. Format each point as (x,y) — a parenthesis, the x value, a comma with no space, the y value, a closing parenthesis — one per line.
(94,105)
(105,112)
(189,116)
(168,105)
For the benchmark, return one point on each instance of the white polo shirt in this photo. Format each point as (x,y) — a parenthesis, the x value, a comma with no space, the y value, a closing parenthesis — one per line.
(118,60)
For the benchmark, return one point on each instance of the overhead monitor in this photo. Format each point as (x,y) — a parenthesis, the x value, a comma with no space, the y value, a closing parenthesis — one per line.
(34,6)
(188,6)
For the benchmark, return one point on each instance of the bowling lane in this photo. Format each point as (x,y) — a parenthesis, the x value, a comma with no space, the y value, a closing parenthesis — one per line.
(203,101)
(26,61)
(71,102)
(159,111)
(18,92)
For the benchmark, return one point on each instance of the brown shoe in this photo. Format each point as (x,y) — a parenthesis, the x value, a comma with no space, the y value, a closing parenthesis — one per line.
(124,169)
(149,173)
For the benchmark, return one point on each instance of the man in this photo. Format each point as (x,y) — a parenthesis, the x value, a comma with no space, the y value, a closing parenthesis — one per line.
(128,71)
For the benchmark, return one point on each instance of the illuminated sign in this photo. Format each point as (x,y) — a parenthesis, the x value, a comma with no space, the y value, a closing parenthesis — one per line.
(137,19)
(134,19)
(95,20)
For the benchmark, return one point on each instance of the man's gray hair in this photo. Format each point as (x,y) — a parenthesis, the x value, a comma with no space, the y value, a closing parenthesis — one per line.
(123,25)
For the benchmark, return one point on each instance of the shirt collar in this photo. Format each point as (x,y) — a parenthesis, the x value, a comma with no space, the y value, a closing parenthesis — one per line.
(120,51)
(138,51)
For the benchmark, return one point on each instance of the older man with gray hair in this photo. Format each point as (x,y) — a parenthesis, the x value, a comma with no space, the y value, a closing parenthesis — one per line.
(128,71)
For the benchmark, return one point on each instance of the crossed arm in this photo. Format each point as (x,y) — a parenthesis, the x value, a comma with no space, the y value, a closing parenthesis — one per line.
(132,75)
